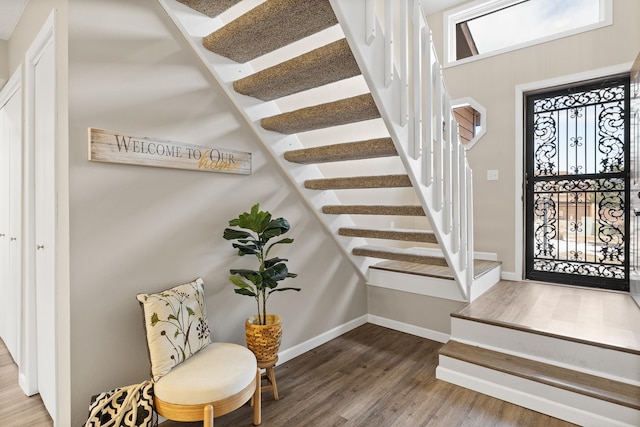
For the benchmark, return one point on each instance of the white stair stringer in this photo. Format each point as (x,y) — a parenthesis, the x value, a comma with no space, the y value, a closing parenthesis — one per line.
(194,26)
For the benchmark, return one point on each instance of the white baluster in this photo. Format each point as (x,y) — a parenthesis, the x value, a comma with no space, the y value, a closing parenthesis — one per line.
(439,141)
(455,182)
(404,63)
(464,217)
(417,46)
(446,169)
(469,227)
(370,21)
(427,109)
(388,38)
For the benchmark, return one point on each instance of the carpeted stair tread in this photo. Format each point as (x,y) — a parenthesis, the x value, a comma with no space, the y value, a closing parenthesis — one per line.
(208,7)
(341,112)
(327,64)
(397,254)
(270,26)
(370,149)
(389,234)
(396,210)
(567,379)
(378,181)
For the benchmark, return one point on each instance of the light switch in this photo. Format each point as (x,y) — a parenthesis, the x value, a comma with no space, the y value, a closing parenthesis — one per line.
(492,175)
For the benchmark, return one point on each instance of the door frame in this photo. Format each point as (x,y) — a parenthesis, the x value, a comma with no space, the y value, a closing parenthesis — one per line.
(519,140)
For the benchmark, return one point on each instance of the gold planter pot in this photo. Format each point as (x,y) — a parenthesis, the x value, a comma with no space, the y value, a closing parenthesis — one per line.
(264,340)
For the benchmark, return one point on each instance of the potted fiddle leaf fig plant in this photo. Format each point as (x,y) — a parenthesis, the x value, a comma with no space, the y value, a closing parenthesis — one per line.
(251,235)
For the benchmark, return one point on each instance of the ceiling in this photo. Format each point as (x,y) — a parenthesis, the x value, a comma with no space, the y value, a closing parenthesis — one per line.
(11,11)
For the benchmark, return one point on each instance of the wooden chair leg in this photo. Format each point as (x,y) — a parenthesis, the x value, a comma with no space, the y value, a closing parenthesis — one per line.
(257,400)
(208,416)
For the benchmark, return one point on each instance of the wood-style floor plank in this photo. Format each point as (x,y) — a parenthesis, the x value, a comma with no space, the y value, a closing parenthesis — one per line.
(16,409)
(374,376)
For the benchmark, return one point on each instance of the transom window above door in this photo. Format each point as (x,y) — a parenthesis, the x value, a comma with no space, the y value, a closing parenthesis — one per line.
(486,28)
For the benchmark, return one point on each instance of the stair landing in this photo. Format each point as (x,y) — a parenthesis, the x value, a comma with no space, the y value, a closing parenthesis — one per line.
(601,317)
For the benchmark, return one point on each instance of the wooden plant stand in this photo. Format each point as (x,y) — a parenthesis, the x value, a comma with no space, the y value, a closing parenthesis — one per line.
(270,377)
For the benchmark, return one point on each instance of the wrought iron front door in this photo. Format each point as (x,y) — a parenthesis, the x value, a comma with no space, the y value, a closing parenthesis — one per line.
(577,158)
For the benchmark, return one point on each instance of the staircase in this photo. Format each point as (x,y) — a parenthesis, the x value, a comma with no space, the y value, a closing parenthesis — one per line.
(505,345)
(282,62)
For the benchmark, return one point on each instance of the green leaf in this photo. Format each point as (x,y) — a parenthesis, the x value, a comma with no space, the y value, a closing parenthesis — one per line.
(171,316)
(190,311)
(246,249)
(255,220)
(275,228)
(246,292)
(154,319)
(243,272)
(273,261)
(252,276)
(239,282)
(276,272)
(279,242)
(176,334)
(231,234)
(285,289)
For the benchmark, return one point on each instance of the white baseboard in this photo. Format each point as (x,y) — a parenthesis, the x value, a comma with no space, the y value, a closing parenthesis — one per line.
(317,341)
(409,329)
(510,275)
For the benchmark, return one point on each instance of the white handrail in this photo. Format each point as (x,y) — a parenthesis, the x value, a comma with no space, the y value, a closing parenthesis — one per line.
(416,108)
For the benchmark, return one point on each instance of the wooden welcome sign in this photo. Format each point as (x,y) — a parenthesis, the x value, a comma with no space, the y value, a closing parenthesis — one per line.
(113,147)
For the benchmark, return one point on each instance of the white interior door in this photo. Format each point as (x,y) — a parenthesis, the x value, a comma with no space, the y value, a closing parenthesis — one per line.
(11,119)
(5,155)
(634,252)
(44,134)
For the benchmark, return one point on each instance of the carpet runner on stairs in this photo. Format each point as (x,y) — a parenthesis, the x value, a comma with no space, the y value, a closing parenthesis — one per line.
(336,113)
(208,7)
(327,64)
(270,26)
(382,181)
(358,150)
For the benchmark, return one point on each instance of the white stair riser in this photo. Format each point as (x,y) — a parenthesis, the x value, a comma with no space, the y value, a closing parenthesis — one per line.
(569,406)
(607,363)
(416,284)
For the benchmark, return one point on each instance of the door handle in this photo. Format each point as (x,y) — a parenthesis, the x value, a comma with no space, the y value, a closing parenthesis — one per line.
(38,247)
(1,234)
(12,239)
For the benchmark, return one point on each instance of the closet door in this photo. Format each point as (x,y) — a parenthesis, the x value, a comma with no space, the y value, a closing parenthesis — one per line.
(11,125)
(5,155)
(45,220)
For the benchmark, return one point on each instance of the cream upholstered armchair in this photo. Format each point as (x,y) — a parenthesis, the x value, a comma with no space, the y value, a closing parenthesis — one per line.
(195,379)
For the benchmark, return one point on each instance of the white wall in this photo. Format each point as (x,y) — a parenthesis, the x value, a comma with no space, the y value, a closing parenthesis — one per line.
(138,229)
(493,81)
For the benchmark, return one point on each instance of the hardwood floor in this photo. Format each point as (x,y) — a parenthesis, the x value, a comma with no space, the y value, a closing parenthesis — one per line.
(374,376)
(16,409)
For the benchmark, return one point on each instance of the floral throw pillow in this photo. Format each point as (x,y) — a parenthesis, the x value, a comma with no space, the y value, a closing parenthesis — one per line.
(176,324)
